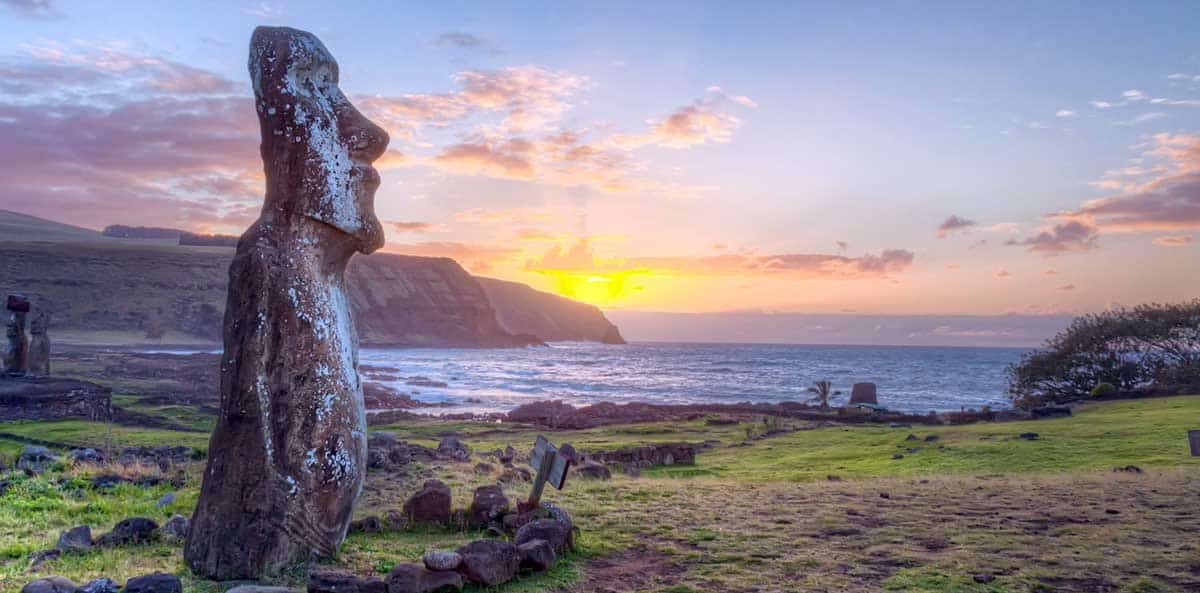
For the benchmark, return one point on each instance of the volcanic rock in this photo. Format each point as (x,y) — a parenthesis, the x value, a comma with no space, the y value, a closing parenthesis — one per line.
(100,585)
(176,527)
(414,578)
(431,504)
(289,452)
(51,584)
(453,448)
(593,470)
(442,560)
(537,554)
(16,345)
(75,539)
(35,459)
(334,581)
(154,583)
(37,559)
(488,504)
(134,530)
(863,393)
(489,562)
(38,360)
(560,535)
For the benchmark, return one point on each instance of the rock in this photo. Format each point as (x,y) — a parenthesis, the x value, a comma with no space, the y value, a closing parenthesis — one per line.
(75,539)
(863,393)
(507,455)
(35,459)
(1051,412)
(291,350)
(1133,469)
(175,528)
(168,498)
(488,504)
(647,455)
(442,560)
(51,584)
(38,360)
(260,589)
(414,578)
(489,562)
(37,559)
(368,524)
(884,495)
(158,582)
(453,448)
(537,555)
(334,581)
(985,578)
(87,455)
(100,585)
(431,504)
(897,456)
(910,437)
(931,438)
(557,513)
(593,470)
(16,346)
(1029,436)
(515,474)
(483,469)
(134,530)
(568,452)
(560,536)
(107,480)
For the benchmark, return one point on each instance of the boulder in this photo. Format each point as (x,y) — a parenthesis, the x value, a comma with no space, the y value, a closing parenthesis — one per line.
(336,581)
(560,536)
(158,582)
(75,539)
(168,498)
(507,455)
(453,448)
(35,459)
(1029,436)
(593,470)
(261,589)
(86,455)
(100,585)
(1051,412)
(515,474)
(51,584)
(489,562)
(863,393)
(107,480)
(431,504)
(414,578)
(483,469)
(537,555)
(37,559)
(442,560)
(368,524)
(134,530)
(488,504)
(176,528)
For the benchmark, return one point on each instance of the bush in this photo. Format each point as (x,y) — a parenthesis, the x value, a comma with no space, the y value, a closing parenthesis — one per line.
(1103,390)
(1147,348)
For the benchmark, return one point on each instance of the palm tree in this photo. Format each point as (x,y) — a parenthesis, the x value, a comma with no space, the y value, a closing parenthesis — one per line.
(822,391)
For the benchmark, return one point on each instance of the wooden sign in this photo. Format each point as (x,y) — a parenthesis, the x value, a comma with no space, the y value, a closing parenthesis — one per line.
(551,467)
(1194,441)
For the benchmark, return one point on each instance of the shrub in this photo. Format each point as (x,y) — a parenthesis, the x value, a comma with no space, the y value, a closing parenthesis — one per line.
(1103,390)
(1149,347)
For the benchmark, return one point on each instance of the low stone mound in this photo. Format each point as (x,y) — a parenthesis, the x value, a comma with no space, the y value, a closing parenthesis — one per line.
(24,398)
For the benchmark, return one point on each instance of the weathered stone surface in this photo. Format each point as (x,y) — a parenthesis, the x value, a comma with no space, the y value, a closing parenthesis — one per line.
(334,581)
(51,584)
(46,399)
(559,535)
(488,503)
(134,530)
(454,448)
(16,344)
(154,583)
(414,578)
(75,539)
(649,455)
(431,504)
(442,560)
(537,554)
(86,455)
(38,360)
(288,456)
(35,459)
(37,559)
(166,499)
(863,393)
(368,524)
(100,585)
(176,527)
(593,470)
(489,561)
(260,589)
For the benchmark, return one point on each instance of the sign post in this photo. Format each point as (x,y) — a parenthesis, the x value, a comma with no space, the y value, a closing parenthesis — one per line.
(1194,441)
(551,467)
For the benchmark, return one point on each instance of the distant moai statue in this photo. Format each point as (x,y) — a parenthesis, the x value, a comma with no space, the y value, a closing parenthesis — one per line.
(863,393)
(39,346)
(16,346)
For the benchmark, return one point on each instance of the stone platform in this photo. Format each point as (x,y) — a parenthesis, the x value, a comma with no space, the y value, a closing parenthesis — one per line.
(24,398)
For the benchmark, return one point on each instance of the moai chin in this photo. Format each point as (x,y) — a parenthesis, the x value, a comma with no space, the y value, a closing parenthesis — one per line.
(39,346)
(287,458)
(16,343)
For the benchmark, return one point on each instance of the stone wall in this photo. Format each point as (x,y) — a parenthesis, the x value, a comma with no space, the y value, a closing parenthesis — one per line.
(47,399)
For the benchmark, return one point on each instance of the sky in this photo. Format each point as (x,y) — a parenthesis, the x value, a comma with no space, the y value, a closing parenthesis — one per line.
(954,159)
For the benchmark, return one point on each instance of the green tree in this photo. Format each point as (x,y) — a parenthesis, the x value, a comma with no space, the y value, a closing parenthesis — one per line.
(822,391)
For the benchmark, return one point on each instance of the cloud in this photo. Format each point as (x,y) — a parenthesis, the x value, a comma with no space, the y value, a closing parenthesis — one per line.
(1163,194)
(468,41)
(704,121)
(1003,273)
(1141,119)
(39,9)
(404,226)
(508,159)
(953,224)
(1100,104)
(1065,113)
(1066,287)
(1060,238)
(1173,240)
(264,10)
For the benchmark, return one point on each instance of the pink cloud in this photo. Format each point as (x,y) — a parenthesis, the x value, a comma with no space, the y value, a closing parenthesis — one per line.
(1173,240)
(1061,238)
(954,224)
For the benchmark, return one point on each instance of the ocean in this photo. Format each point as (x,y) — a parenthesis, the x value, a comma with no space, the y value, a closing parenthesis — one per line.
(909,378)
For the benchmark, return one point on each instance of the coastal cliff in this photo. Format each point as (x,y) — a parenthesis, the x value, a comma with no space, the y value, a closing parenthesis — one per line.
(523,310)
(105,290)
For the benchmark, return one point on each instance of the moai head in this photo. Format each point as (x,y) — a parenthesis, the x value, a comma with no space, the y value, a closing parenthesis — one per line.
(316,147)
(40,323)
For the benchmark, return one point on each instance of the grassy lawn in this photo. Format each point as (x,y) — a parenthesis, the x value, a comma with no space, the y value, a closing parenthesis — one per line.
(1032,515)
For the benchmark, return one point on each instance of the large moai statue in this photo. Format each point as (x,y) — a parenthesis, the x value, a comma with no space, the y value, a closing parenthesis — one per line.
(39,346)
(287,458)
(16,343)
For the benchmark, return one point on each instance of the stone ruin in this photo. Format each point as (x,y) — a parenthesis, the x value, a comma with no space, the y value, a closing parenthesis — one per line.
(25,355)
(863,393)
(288,456)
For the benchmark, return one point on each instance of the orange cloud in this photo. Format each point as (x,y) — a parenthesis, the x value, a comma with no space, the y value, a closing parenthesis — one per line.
(1173,240)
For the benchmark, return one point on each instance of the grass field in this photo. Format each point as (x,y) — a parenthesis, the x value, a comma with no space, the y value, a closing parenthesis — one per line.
(814,509)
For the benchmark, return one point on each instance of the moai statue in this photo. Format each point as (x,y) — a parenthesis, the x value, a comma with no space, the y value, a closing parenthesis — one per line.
(16,346)
(288,456)
(39,346)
